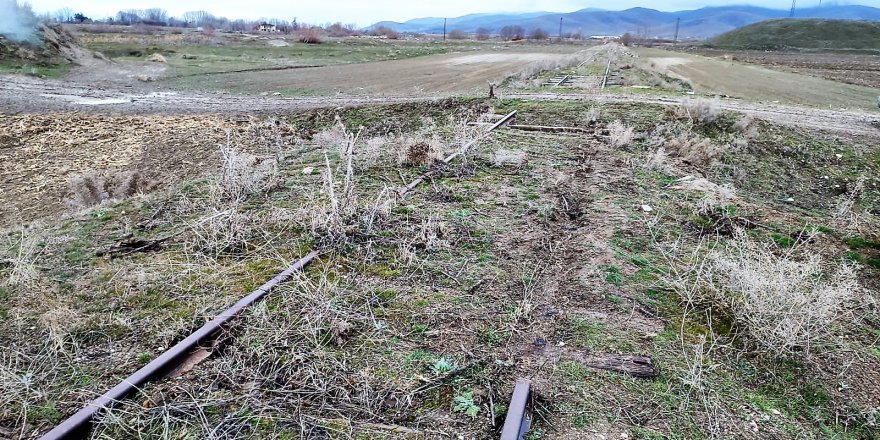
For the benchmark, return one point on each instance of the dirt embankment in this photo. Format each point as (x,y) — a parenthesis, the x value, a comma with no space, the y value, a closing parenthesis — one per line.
(39,154)
(57,45)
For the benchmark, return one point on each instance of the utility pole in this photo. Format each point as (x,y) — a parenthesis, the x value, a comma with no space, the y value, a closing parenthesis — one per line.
(560,28)
(793,6)
(444,29)
(677,25)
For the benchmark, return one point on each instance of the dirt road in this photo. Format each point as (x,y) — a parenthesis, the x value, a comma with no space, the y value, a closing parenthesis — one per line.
(22,94)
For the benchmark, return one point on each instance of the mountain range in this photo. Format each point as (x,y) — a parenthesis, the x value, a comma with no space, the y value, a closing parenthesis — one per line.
(699,23)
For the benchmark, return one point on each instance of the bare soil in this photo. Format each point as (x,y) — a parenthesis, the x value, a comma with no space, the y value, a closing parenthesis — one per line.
(756,83)
(852,68)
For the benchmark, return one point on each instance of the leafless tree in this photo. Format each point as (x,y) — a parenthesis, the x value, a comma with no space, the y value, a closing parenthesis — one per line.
(196,18)
(155,16)
(457,34)
(63,15)
(483,33)
(512,33)
(539,34)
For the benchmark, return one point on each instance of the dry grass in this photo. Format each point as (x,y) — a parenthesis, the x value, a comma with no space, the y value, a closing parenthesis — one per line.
(503,157)
(713,196)
(20,251)
(620,134)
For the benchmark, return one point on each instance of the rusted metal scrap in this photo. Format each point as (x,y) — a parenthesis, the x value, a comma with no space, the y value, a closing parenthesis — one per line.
(517,423)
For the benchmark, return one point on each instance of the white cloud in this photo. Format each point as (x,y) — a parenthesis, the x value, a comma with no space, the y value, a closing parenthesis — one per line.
(365,12)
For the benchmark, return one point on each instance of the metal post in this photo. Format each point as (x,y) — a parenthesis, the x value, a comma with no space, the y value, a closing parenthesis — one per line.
(444,29)
(793,6)
(560,28)
(677,25)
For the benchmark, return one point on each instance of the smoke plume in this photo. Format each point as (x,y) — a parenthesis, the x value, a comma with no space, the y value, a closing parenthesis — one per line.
(18,22)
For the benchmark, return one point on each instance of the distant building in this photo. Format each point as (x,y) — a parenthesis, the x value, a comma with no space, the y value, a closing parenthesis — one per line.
(267,27)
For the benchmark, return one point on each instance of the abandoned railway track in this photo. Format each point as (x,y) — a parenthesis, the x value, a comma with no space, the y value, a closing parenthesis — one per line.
(189,351)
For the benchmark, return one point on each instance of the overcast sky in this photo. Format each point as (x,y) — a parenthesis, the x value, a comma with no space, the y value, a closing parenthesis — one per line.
(366,12)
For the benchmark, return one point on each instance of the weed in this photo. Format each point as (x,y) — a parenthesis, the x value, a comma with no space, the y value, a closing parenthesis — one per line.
(700,110)
(464,403)
(620,135)
(613,276)
(442,366)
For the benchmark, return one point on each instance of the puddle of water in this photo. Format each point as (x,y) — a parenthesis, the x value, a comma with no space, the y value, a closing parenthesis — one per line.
(82,100)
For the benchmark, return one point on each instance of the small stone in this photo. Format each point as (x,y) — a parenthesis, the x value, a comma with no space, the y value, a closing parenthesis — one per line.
(647,208)
(624,435)
(838,156)
(775,412)
(276,94)
(789,200)
(308,170)
(540,342)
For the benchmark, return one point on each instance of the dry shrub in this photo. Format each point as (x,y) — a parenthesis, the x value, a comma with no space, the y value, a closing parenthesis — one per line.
(223,233)
(593,115)
(694,150)
(243,175)
(503,157)
(93,188)
(714,196)
(657,160)
(157,58)
(310,36)
(788,304)
(746,126)
(620,134)
(704,111)
(845,215)
(418,150)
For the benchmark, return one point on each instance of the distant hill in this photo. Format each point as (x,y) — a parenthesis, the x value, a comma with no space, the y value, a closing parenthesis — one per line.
(805,34)
(700,23)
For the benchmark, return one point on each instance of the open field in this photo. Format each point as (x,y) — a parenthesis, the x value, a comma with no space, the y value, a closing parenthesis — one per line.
(852,68)
(193,53)
(734,243)
(754,83)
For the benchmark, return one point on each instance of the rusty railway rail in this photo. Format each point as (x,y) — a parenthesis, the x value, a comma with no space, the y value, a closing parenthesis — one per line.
(80,424)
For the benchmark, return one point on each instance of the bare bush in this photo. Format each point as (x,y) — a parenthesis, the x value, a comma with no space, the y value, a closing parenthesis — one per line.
(787,303)
(243,175)
(845,215)
(418,150)
(657,160)
(694,150)
(593,115)
(310,36)
(620,134)
(223,233)
(704,111)
(93,188)
(746,126)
